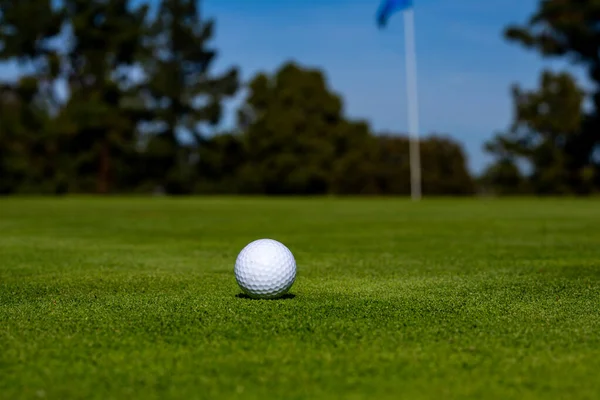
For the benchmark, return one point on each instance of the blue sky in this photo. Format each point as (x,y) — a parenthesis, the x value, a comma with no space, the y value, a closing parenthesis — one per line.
(465,67)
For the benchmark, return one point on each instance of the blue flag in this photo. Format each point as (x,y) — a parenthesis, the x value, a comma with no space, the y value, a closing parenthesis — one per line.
(389,7)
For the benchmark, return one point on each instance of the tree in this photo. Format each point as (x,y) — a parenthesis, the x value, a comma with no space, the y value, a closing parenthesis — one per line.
(220,160)
(298,141)
(355,169)
(32,45)
(392,165)
(97,131)
(14,135)
(26,149)
(444,167)
(296,133)
(503,178)
(569,29)
(114,131)
(142,107)
(443,164)
(547,126)
(181,94)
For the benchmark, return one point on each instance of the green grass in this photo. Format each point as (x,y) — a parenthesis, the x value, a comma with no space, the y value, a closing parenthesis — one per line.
(445,299)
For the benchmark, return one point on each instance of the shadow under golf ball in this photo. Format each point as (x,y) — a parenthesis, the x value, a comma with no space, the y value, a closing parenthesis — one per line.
(286,296)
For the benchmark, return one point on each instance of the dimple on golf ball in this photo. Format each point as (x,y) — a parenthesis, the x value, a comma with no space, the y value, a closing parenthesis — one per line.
(265,269)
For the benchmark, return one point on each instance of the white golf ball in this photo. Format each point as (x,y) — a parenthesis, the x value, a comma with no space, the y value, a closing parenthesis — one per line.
(265,269)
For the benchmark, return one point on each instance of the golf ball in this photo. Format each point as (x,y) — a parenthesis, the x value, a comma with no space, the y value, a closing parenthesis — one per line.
(265,269)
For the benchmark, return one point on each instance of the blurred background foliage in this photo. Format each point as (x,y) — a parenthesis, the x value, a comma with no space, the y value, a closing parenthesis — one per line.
(143,108)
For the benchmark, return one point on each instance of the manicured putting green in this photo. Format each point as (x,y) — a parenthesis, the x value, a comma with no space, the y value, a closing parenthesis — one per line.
(445,299)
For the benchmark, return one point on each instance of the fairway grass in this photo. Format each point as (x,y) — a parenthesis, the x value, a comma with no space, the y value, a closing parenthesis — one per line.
(444,299)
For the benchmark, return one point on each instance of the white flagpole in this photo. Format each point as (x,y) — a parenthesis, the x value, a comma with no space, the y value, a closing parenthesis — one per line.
(413,107)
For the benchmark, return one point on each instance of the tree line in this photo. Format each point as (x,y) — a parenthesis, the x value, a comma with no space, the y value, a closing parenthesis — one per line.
(117,98)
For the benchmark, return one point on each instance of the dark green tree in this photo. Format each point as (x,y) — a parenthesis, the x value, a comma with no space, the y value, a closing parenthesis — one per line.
(220,162)
(27,151)
(28,33)
(355,167)
(138,84)
(547,123)
(569,29)
(97,130)
(182,94)
(503,178)
(24,150)
(392,164)
(443,166)
(296,133)
(298,141)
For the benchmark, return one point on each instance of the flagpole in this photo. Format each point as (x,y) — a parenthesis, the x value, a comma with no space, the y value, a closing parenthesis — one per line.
(413,107)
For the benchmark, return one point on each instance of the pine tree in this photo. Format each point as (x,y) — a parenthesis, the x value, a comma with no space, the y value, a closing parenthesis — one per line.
(98,131)
(27,148)
(182,94)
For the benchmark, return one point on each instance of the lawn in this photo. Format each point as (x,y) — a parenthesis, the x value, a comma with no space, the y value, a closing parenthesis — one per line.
(444,299)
